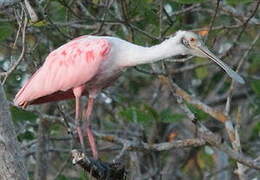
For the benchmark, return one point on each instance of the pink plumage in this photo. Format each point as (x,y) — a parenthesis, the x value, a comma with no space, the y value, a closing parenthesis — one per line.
(65,68)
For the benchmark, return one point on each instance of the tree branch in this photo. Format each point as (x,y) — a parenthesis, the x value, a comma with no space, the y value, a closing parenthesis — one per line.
(99,169)
(6,3)
(213,140)
(11,160)
(218,115)
(142,146)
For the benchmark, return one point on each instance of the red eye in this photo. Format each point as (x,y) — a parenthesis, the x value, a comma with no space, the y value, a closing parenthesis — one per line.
(192,39)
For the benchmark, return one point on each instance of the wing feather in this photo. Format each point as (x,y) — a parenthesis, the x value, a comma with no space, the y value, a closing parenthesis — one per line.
(67,67)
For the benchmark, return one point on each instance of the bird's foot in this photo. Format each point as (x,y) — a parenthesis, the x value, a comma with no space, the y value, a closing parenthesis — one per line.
(70,131)
(79,134)
(98,168)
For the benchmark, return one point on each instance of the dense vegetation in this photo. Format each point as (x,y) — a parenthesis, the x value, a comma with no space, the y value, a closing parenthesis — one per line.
(148,103)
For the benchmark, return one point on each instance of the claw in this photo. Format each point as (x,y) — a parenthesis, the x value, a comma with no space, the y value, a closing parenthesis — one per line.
(69,131)
(76,156)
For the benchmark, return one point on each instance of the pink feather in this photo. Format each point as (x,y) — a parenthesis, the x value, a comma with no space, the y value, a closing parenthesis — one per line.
(67,67)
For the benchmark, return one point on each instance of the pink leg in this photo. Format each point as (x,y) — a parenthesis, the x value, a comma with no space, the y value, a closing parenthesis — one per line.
(77,93)
(78,122)
(87,125)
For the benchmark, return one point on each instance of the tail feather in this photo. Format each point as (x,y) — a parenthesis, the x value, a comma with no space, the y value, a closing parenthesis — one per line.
(21,98)
(57,96)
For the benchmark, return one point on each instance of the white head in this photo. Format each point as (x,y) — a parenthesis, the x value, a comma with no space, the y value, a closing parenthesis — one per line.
(192,44)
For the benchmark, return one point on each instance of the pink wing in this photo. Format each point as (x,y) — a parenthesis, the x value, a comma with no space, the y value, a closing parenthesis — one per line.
(67,67)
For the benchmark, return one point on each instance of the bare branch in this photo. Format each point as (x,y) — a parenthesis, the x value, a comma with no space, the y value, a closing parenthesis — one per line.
(97,168)
(207,135)
(213,18)
(142,146)
(34,17)
(216,142)
(6,74)
(6,3)
(218,115)
(11,161)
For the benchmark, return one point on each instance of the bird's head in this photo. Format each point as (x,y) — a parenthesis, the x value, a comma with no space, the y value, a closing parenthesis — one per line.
(192,44)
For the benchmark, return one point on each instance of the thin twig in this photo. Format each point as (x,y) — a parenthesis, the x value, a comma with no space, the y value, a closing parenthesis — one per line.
(189,67)
(247,21)
(218,115)
(210,137)
(213,19)
(62,167)
(21,55)
(20,26)
(244,26)
(33,15)
(233,131)
(142,146)
(216,142)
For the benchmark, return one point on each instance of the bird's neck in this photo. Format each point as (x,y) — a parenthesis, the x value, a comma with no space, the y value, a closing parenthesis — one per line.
(143,55)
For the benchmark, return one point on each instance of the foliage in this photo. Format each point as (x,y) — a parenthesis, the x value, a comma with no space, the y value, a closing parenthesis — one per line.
(138,105)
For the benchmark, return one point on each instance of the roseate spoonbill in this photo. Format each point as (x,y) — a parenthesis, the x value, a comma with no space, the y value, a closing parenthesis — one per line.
(87,64)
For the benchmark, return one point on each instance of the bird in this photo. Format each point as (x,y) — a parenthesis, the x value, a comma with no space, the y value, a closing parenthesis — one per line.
(88,64)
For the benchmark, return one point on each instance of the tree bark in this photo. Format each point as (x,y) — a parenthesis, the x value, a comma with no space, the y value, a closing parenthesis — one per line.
(12,165)
(5,3)
(41,155)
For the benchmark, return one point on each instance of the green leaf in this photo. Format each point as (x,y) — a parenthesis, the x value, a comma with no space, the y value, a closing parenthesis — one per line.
(128,113)
(5,31)
(256,131)
(145,113)
(95,1)
(40,23)
(151,111)
(136,83)
(200,115)
(256,86)
(146,10)
(167,116)
(26,136)
(55,129)
(205,160)
(255,65)
(62,177)
(138,113)
(236,2)
(58,11)
(189,1)
(143,116)
(83,176)
(20,115)
(201,72)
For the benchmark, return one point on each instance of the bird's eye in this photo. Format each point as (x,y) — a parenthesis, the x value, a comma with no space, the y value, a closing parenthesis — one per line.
(192,39)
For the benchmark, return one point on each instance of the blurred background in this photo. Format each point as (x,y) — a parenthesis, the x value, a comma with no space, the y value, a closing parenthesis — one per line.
(139,106)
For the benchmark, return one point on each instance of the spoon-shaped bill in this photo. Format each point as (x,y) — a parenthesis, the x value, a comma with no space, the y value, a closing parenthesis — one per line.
(228,70)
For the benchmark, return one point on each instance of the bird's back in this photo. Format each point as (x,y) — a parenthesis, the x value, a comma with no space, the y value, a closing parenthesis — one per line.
(67,67)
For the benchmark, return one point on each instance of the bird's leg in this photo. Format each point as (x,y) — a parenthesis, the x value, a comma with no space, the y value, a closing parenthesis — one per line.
(77,121)
(87,126)
(77,93)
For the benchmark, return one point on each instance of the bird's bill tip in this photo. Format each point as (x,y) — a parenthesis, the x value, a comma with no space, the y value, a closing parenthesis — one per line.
(239,79)
(234,75)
